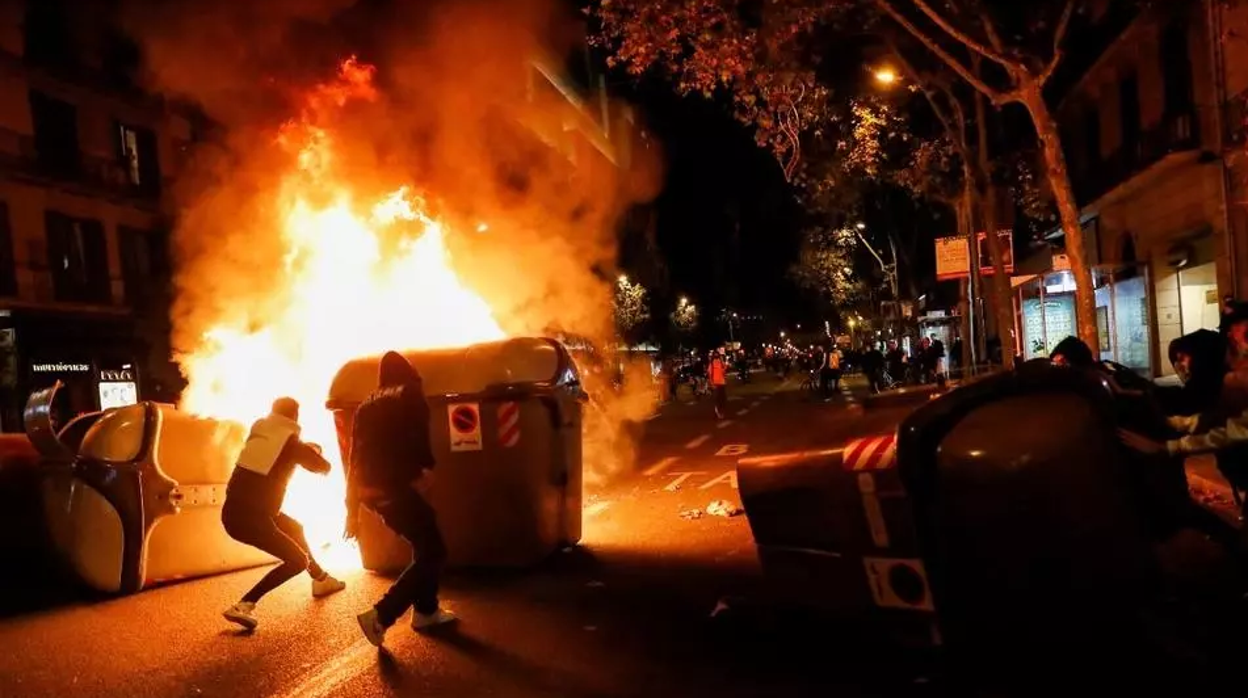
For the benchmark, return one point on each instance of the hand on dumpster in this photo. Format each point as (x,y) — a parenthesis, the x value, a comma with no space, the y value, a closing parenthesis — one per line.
(1139,442)
(352,525)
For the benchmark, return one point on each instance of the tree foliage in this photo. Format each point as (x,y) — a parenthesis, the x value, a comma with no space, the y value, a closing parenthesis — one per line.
(631,307)
(684,318)
(825,265)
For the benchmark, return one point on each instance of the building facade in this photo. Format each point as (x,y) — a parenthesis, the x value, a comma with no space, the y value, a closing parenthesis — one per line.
(85,164)
(1145,138)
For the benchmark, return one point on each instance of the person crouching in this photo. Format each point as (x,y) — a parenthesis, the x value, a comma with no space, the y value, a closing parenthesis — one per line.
(252,513)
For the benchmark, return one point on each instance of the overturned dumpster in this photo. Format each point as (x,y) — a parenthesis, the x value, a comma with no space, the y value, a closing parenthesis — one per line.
(133,495)
(1005,513)
(506,433)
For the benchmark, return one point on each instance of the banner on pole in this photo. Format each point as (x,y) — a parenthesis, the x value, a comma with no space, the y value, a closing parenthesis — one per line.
(953,258)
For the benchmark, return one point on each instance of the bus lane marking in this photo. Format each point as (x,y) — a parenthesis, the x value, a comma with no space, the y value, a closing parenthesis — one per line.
(660,466)
(698,441)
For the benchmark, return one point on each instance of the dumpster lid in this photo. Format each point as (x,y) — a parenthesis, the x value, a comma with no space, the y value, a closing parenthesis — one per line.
(535,361)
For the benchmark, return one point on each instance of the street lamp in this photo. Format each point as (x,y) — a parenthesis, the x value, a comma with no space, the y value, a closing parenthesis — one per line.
(861,226)
(623,279)
(684,301)
(885,76)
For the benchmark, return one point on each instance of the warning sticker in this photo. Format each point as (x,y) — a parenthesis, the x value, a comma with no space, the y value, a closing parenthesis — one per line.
(464,420)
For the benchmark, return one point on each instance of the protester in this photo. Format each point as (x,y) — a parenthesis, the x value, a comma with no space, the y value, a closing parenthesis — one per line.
(717,373)
(253,503)
(391,473)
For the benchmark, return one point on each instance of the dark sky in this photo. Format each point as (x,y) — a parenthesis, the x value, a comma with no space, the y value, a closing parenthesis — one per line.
(728,224)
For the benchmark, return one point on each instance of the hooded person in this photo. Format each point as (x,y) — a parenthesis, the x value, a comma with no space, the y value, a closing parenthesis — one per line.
(390,473)
(252,512)
(1199,360)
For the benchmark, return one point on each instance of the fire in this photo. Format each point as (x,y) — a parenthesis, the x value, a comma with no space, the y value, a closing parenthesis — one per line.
(343,289)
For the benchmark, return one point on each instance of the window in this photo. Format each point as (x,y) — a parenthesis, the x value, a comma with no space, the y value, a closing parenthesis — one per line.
(1092,137)
(136,153)
(1176,69)
(46,34)
(1129,114)
(144,262)
(8,266)
(56,134)
(77,259)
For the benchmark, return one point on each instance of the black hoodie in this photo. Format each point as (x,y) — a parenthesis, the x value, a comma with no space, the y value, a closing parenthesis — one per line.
(390,443)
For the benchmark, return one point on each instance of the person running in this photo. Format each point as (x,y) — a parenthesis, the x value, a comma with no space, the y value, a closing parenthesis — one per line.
(717,374)
(253,503)
(391,472)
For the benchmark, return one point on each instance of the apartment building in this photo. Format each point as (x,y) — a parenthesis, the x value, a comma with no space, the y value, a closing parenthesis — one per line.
(1144,133)
(85,163)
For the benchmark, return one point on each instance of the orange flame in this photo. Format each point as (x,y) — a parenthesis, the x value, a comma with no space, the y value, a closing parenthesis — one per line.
(341,294)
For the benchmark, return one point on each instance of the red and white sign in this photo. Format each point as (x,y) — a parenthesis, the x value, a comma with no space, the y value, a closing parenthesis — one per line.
(464,420)
(871,453)
(508,424)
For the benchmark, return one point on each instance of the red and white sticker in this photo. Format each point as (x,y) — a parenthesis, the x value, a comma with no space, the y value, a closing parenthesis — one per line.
(508,424)
(871,453)
(464,422)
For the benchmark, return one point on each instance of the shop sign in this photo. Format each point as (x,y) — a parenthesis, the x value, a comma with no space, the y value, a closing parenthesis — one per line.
(953,256)
(60,367)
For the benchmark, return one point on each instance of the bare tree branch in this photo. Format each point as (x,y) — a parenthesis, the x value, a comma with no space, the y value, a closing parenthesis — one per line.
(1058,36)
(963,37)
(934,47)
(940,112)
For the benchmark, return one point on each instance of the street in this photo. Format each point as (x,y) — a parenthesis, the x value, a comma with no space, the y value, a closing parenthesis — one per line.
(628,613)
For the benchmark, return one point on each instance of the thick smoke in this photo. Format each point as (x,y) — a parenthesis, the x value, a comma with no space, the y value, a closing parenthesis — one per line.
(458,107)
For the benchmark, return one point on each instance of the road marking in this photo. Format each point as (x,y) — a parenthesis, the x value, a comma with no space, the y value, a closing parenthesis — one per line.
(698,441)
(595,509)
(733,450)
(756,403)
(680,479)
(723,424)
(742,413)
(728,478)
(660,466)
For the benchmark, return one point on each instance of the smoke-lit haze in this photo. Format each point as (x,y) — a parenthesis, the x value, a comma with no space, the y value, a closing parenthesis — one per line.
(453,117)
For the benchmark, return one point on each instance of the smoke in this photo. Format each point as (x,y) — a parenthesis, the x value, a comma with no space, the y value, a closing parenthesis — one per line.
(460,114)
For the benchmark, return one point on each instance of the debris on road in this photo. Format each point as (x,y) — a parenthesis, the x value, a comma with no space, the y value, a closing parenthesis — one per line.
(691,514)
(595,583)
(723,507)
(720,607)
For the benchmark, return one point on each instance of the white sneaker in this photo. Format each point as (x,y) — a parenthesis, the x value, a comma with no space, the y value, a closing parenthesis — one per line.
(326,586)
(374,631)
(241,613)
(422,622)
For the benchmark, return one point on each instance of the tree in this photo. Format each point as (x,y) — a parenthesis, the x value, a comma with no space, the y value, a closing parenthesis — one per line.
(631,310)
(764,55)
(684,318)
(825,265)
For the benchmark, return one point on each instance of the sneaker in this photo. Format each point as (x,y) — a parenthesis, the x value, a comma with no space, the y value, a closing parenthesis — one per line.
(374,631)
(241,613)
(423,622)
(327,585)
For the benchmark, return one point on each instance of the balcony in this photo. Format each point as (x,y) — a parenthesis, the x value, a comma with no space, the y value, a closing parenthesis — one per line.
(1177,133)
(93,176)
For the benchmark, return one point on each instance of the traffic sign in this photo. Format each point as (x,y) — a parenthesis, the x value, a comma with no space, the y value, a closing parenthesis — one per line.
(464,420)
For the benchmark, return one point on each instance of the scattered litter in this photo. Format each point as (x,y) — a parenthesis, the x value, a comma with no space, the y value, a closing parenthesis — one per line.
(920,679)
(591,628)
(567,549)
(720,607)
(722,507)
(595,583)
(691,514)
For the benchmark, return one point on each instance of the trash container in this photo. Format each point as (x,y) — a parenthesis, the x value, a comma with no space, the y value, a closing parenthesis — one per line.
(133,495)
(506,434)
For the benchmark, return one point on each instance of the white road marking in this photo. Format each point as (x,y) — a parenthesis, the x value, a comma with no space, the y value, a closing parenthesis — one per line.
(680,479)
(660,466)
(723,424)
(595,509)
(733,450)
(698,441)
(756,403)
(728,478)
(331,675)
(742,413)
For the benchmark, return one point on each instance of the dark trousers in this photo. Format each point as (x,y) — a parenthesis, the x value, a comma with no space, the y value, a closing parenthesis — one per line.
(410,515)
(721,399)
(280,536)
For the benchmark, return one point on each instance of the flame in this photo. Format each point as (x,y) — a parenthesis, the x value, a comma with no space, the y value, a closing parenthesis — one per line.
(343,289)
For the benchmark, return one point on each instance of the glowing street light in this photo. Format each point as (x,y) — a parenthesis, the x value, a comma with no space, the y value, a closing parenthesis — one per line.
(861,226)
(684,301)
(885,76)
(623,279)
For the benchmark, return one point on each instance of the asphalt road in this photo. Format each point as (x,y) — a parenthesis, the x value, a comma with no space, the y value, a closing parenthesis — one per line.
(629,613)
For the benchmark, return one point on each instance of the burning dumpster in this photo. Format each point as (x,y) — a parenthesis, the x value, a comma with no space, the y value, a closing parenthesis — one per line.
(1003,512)
(506,433)
(133,495)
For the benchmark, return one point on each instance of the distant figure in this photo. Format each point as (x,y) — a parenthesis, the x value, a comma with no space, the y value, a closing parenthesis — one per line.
(717,374)
(391,473)
(1072,352)
(252,512)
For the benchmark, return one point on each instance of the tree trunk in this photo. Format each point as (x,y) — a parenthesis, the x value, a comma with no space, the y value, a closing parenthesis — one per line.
(1068,209)
(1001,296)
(966,227)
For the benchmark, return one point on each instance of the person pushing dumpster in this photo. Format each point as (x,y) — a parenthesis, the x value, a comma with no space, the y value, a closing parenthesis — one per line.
(390,473)
(252,512)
